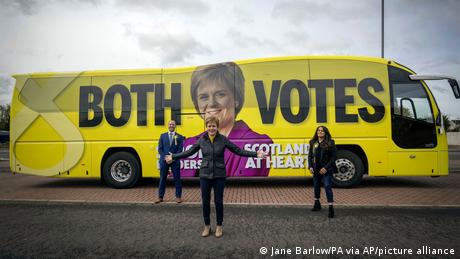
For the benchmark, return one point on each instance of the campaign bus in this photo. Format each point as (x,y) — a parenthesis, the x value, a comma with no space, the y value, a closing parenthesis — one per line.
(106,124)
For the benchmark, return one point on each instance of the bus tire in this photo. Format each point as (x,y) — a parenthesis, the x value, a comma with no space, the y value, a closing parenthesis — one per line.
(350,169)
(121,170)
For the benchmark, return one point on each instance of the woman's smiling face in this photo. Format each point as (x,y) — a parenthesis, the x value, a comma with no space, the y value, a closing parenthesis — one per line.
(211,127)
(217,100)
(320,132)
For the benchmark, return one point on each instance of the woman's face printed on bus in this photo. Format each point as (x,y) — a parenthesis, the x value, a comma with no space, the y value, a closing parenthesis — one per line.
(320,132)
(217,100)
(211,128)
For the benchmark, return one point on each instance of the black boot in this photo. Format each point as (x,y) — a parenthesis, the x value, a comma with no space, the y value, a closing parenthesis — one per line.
(331,211)
(316,206)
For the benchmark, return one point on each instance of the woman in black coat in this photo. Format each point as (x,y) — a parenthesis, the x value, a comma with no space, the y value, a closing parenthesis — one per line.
(321,160)
(212,170)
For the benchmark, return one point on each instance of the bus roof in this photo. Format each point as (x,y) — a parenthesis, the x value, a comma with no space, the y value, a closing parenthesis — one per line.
(191,68)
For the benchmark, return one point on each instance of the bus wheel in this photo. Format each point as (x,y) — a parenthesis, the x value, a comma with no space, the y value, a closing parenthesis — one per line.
(121,170)
(350,169)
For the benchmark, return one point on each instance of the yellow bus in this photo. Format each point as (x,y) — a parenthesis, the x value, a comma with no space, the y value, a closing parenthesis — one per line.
(106,124)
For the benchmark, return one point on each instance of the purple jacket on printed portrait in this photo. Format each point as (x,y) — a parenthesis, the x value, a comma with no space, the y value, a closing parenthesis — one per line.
(235,165)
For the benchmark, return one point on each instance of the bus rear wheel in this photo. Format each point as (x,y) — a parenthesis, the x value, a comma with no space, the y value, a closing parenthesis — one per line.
(121,170)
(350,169)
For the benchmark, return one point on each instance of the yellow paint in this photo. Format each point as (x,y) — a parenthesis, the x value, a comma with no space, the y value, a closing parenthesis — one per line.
(47,139)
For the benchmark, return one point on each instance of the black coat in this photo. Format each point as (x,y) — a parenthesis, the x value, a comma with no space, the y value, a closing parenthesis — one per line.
(327,157)
(213,163)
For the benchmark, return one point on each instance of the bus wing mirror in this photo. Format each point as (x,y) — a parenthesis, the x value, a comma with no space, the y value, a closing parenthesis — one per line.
(440,123)
(452,82)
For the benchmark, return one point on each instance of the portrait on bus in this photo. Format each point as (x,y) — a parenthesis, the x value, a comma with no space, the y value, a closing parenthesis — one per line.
(219,90)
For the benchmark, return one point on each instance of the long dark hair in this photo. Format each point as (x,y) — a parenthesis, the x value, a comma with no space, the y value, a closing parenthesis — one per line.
(327,137)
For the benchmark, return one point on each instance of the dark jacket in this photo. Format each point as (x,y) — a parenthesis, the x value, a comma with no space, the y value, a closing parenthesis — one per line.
(164,147)
(327,157)
(213,163)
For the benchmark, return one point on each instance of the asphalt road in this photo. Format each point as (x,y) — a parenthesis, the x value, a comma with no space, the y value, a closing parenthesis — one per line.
(173,231)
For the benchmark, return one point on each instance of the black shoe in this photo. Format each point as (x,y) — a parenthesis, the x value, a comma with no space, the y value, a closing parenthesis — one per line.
(331,211)
(316,206)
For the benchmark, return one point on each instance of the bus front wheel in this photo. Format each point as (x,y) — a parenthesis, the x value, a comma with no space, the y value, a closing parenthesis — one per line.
(121,170)
(350,169)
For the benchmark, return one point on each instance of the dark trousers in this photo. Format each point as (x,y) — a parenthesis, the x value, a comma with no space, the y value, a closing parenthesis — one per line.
(326,179)
(175,168)
(218,184)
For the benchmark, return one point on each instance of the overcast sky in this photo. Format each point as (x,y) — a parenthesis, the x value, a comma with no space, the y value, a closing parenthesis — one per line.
(75,35)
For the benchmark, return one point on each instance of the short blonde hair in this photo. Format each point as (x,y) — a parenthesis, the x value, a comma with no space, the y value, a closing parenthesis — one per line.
(227,74)
(212,119)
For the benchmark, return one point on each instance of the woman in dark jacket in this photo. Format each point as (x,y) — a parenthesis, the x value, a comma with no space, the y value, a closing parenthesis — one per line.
(212,170)
(321,160)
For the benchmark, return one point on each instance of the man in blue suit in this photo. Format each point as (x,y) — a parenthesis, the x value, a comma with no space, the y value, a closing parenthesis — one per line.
(170,143)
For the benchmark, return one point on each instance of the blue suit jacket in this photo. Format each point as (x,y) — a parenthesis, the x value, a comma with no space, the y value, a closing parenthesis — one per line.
(164,148)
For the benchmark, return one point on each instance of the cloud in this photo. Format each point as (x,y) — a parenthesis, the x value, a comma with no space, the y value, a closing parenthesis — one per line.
(440,63)
(6,88)
(302,42)
(32,7)
(245,41)
(196,7)
(129,29)
(298,12)
(26,7)
(439,89)
(297,36)
(93,2)
(172,48)
(242,15)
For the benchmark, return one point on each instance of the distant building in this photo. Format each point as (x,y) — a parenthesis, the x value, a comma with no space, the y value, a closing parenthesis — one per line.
(455,124)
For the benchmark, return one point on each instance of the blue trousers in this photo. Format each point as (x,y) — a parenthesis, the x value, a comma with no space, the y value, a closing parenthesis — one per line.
(326,179)
(218,184)
(175,168)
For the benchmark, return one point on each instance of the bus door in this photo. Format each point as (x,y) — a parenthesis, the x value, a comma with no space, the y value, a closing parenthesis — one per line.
(413,127)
